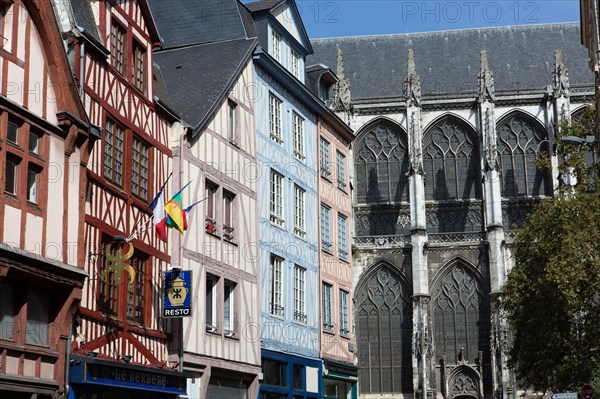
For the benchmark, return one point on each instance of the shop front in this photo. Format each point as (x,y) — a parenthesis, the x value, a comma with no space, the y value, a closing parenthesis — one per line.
(288,376)
(94,378)
(339,380)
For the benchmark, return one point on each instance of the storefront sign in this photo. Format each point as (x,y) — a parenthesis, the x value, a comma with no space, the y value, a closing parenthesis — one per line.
(131,377)
(177,294)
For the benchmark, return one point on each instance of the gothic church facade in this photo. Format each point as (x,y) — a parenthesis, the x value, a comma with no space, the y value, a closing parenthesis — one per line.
(448,127)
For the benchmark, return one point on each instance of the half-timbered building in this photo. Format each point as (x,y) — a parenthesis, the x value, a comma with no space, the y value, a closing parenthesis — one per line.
(209,76)
(44,146)
(449,125)
(335,256)
(286,114)
(122,344)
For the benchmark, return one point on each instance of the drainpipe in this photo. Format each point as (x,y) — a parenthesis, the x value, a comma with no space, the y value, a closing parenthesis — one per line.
(67,389)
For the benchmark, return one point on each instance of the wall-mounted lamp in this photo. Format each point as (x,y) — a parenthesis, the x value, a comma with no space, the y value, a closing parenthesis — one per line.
(126,358)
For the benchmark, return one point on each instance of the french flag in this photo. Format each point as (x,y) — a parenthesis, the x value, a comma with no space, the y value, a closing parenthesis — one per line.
(159,217)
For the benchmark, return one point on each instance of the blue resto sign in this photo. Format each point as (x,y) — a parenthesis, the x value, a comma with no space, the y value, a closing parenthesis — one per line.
(177,293)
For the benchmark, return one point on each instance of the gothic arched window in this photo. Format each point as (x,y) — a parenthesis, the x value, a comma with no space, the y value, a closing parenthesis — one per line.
(451,162)
(461,316)
(383,327)
(382,165)
(520,143)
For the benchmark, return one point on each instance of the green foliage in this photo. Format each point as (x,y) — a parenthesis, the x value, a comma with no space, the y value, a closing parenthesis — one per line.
(552,295)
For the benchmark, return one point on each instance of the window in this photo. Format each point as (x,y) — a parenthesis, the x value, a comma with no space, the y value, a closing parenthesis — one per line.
(298,376)
(117,47)
(138,69)
(299,228)
(299,290)
(274,372)
(12,175)
(325,228)
(327,320)
(451,160)
(381,161)
(276,286)
(136,291)
(33,178)
(228,209)
(295,64)
(211,204)
(7,311)
(344,313)
(108,286)
(276,198)
(12,132)
(341,170)
(139,172)
(211,303)
(275,119)
(276,39)
(34,142)
(228,308)
(113,152)
(324,156)
(342,237)
(298,136)
(232,121)
(38,317)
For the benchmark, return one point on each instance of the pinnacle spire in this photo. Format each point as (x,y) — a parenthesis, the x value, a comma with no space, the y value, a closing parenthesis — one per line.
(411,63)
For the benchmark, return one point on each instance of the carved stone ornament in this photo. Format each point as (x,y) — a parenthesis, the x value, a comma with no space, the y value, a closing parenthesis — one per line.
(341,96)
(486,80)
(560,76)
(416,151)
(412,84)
(490,147)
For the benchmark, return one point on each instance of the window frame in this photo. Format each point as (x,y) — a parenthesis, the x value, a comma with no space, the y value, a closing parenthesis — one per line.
(276,201)
(213,326)
(299,211)
(118,37)
(327,307)
(275,118)
(229,205)
(233,125)
(326,243)
(295,63)
(137,142)
(139,261)
(300,294)
(211,190)
(342,227)
(276,285)
(298,129)
(344,319)
(232,321)
(138,66)
(325,158)
(276,45)
(112,174)
(340,167)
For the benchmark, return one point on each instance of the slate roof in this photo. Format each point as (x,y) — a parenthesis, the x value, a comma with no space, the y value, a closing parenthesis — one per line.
(198,77)
(263,5)
(160,89)
(186,22)
(520,57)
(84,18)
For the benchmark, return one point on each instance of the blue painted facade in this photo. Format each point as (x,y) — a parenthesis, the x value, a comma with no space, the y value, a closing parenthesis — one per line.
(289,344)
(282,333)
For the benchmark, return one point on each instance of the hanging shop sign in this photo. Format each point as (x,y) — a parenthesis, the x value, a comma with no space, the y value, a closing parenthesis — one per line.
(177,293)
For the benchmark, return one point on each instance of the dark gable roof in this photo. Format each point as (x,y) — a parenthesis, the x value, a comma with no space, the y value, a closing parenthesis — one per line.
(198,77)
(263,5)
(520,57)
(187,22)
(84,18)
(160,90)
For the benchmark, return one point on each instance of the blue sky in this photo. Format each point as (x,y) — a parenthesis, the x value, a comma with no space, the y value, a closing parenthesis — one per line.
(330,18)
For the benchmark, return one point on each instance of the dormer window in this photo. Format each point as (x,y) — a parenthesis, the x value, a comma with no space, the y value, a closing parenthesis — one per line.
(276,46)
(296,64)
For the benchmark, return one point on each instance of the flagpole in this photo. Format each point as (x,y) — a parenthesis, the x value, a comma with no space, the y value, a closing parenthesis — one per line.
(150,205)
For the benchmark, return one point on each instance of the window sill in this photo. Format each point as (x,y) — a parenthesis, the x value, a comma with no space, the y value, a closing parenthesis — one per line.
(232,336)
(12,198)
(329,332)
(213,331)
